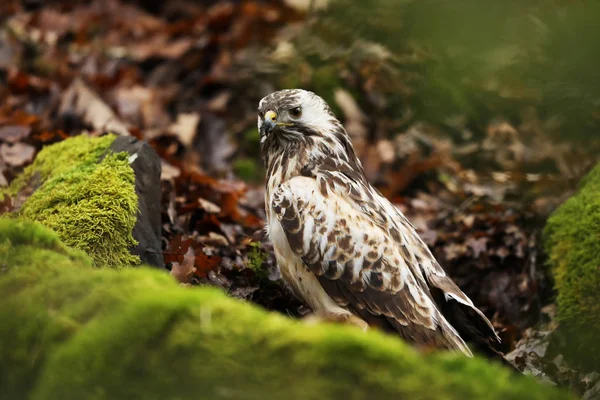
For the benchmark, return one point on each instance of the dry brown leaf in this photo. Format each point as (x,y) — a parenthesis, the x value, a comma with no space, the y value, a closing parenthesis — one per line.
(161,46)
(479,246)
(185,127)
(205,263)
(17,154)
(208,206)
(168,171)
(185,270)
(386,151)
(14,133)
(219,102)
(83,102)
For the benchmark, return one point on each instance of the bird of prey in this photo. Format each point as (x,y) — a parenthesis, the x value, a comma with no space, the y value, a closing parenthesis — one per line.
(343,248)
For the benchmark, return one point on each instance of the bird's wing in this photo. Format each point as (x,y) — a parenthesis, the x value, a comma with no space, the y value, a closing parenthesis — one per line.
(358,262)
(351,185)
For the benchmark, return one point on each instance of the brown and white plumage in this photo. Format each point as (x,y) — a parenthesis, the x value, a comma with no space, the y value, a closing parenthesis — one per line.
(343,248)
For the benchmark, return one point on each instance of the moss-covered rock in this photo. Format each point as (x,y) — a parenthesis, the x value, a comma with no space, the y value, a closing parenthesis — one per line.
(90,201)
(572,240)
(29,238)
(72,331)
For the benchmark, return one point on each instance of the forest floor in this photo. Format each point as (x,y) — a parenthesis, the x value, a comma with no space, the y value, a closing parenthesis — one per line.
(187,77)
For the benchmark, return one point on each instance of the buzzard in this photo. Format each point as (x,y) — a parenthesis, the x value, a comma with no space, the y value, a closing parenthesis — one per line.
(341,246)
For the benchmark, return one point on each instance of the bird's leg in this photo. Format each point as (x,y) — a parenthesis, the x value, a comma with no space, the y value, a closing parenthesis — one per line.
(343,318)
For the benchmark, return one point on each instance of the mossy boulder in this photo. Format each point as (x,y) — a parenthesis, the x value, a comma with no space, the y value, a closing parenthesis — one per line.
(72,331)
(572,240)
(86,194)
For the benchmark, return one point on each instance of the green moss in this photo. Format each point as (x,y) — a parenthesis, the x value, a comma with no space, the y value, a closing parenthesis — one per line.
(62,157)
(572,240)
(256,260)
(15,234)
(90,204)
(71,331)
(92,208)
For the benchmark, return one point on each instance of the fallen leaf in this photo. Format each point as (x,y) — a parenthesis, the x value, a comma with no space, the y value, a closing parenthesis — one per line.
(17,154)
(81,102)
(50,137)
(479,246)
(14,133)
(144,106)
(386,151)
(19,117)
(214,240)
(454,251)
(161,46)
(185,127)
(219,102)
(208,206)
(176,249)
(468,221)
(205,263)
(185,270)
(168,171)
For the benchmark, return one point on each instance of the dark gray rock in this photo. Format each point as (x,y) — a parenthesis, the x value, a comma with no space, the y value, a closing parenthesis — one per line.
(146,165)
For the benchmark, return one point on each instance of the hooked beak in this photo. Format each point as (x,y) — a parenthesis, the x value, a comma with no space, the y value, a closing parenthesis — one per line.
(270,121)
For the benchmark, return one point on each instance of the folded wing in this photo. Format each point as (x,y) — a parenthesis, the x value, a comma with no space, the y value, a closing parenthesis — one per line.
(364,261)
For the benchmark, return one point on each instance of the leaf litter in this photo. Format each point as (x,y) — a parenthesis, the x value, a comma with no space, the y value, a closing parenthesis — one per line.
(187,77)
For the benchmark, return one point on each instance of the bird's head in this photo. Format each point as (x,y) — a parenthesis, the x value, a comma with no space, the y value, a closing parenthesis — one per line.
(296,119)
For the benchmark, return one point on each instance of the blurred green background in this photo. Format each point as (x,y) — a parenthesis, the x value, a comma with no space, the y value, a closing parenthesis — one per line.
(482,58)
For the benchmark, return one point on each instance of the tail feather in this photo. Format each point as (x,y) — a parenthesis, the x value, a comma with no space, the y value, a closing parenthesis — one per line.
(453,295)
(445,336)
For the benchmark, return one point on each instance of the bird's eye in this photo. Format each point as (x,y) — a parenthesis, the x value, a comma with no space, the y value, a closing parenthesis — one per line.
(296,112)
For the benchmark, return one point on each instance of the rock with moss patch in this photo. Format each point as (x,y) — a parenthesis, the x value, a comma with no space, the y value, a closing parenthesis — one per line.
(146,166)
(86,193)
(72,331)
(572,240)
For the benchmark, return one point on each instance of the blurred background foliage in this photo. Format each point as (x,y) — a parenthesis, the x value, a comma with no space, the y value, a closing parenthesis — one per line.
(513,85)
(440,58)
